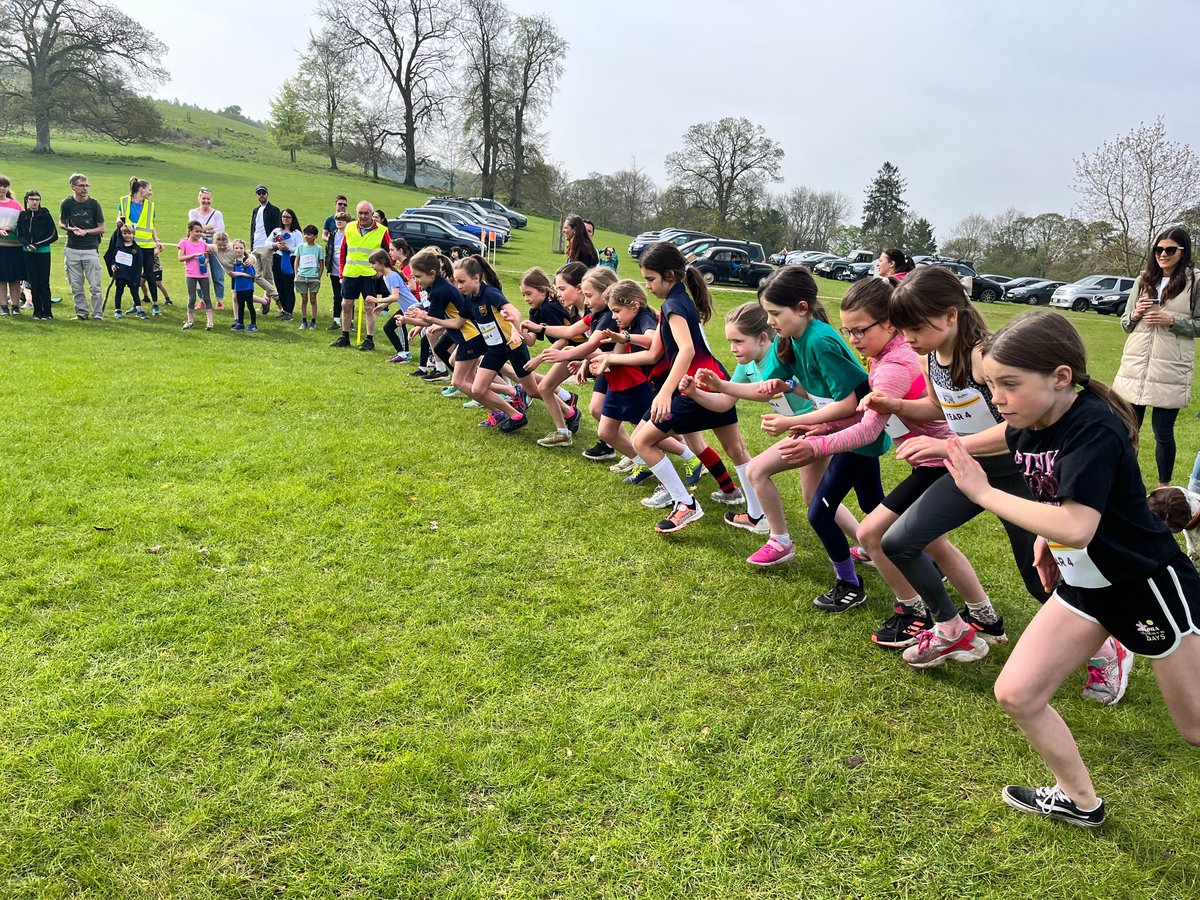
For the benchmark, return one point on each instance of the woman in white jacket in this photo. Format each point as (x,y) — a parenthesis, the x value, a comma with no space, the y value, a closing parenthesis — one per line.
(1159,356)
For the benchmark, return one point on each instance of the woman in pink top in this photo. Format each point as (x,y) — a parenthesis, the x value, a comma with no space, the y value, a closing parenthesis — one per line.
(193,253)
(895,372)
(12,263)
(894,263)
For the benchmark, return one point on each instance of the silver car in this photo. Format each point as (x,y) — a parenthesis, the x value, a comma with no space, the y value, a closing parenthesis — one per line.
(1079,296)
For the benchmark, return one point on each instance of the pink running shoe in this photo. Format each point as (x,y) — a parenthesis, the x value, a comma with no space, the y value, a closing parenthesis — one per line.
(1108,674)
(859,555)
(772,553)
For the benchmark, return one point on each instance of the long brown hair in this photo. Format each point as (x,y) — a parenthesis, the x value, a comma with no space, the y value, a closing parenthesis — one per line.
(789,287)
(1153,272)
(579,245)
(478,267)
(934,291)
(871,295)
(431,262)
(540,281)
(665,259)
(626,292)
(1041,341)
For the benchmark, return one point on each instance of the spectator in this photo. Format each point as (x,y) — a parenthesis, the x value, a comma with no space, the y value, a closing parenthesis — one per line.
(83,220)
(608,257)
(263,221)
(340,205)
(285,241)
(579,242)
(12,263)
(894,263)
(333,255)
(36,230)
(363,237)
(137,209)
(213,221)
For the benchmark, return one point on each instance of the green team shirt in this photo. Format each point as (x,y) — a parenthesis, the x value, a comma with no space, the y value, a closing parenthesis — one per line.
(748,373)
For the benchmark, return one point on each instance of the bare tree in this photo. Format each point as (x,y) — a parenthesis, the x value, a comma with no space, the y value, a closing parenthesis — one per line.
(372,135)
(1140,182)
(970,237)
(325,95)
(722,164)
(411,39)
(75,62)
(631,199)
(813,216)
(486,45)
(535,65)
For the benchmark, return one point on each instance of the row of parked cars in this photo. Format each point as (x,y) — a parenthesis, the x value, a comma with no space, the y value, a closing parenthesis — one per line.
(718,260)
(468,225)
(1105,294)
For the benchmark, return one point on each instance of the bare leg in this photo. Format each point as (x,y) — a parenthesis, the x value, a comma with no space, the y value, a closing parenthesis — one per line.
(613,434)
(1178,678)
(762,469)
(547,390)
(481,390)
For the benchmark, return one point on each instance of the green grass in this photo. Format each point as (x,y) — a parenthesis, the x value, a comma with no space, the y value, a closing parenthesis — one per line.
(380,652)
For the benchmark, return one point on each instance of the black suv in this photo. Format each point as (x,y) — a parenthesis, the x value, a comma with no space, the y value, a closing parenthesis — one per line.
(839,267)
(729,264)
(981,289)
(433,233)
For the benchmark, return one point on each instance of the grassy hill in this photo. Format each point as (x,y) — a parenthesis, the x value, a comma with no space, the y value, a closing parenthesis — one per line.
(279,620)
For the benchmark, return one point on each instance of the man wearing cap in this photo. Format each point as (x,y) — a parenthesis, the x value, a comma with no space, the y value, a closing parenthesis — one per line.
(263,221)
(363,237)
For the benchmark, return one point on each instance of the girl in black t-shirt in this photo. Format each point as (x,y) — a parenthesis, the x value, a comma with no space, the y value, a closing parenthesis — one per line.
(1114,569)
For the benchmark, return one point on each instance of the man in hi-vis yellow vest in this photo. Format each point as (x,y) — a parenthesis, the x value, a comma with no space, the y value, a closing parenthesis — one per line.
(363,237)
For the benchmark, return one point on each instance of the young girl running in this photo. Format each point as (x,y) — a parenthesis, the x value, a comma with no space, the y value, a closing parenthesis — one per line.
(447,310)
(810,353)
(568,283)
(680,339)
(932,310)
(193,253)
(545,311)
(1122,573)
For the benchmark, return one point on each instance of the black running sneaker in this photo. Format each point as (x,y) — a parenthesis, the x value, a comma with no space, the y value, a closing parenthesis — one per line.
(901,629)
(511,423)
(992,632)
(841,597)
(599,452)
(573,420)
(367,345)
(342,341)
(1052,803)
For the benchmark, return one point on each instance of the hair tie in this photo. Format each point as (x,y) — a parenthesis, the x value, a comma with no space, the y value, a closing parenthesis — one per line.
(1085,380)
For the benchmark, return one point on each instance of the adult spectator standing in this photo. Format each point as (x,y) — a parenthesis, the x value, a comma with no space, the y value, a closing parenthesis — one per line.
(363,237)
(264,220)
(83,220)
(137,209)
(333,256)
(36,230)
(579,243)
(286,240)
(213,221)
(12,263)
(340,205)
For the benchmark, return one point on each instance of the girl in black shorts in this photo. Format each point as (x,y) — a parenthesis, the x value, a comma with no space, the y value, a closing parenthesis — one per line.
(1113,568)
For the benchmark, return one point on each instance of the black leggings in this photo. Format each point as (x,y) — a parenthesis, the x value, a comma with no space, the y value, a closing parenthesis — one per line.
(133,293)
(285,283)
(443,348)
(246,299)
(148,275)
(1162,421)
(396,333)
(846,471)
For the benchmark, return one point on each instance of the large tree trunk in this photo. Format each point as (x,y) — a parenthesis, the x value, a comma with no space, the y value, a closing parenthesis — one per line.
(514,199)
(42,125)
(410,149)
(333,163)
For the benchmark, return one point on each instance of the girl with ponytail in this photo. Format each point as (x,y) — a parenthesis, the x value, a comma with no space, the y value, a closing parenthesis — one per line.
(1114,569)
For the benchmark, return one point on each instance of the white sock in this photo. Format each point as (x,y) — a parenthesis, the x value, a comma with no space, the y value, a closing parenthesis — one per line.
(337,320)
(753,509)
(687,453)
(666,474)
(564,395)
(785,539)
(638,461)
(563,430)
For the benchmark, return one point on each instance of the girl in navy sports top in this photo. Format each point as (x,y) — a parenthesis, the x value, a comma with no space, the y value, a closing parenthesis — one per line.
(680,339)
(1114,569)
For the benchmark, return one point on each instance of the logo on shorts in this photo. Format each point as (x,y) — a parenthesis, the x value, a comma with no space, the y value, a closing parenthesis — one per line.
(1150,631)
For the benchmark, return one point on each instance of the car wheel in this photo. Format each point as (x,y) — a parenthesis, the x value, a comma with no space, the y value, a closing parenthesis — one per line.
(988,295)
(1121,310)
(1080,305)
(708,276)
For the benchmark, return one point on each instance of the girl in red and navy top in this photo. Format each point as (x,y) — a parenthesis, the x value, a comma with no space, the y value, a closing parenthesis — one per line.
(567,282)
(680,339)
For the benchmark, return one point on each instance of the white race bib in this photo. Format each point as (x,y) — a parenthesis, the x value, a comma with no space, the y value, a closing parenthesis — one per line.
(780,405)
(895,428)
(491,334)
(966,411)
(820,402)
(1077,568)
(124,259)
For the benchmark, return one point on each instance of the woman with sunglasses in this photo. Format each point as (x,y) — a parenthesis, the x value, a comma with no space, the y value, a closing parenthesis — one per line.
(1159,356)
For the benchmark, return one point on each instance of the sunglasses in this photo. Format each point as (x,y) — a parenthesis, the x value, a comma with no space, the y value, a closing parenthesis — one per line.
(1168,252)
(261,193)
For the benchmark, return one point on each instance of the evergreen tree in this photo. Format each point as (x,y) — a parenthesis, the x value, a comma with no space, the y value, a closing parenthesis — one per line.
(884,209)
(919,239)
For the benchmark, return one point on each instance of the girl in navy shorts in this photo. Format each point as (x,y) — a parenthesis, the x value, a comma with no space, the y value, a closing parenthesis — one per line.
(1114,569)
(680,340)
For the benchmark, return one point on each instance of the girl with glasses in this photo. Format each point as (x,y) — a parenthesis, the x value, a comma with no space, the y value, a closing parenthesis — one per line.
(1159,356)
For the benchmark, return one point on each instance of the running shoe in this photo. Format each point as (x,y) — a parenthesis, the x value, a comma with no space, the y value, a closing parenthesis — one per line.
(556,439)
(343,341)
(419,372)
(747,523)
(683,515)
(1052,803)
(574,419)
(623,466)
(729,498)
(509,424)
(637,475)
(156,311)
(220,305)
(492,420)
(932,649)
(992,632)
(660,499)
(140,313)
(599,452)
(303,325)
(693,471)
(237,326)
(188,325)
(368,344)
(518,404)
(435,376)
(841,597)
(901,630)
(859,555)
(1108,674)
(252,328)
(117,314)
(472,404)
(522,396)
(201,305)
(772,553)
(451,391)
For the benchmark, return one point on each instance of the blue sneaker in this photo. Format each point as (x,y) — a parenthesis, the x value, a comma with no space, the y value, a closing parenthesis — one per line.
(237,326)
(522,396)
(252,328)
(573,421)
(638,474)
(693,471)
(117,314)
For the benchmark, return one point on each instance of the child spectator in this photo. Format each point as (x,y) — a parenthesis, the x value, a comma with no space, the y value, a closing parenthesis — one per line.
(124,261)
(309,268)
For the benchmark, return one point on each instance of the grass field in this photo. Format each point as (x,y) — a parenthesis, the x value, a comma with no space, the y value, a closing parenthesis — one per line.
(281,622)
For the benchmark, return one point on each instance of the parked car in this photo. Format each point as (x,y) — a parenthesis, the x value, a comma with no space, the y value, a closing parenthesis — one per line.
(809,258)
(1078,296)
(838,266)
(1036,294)
(1024,281)
(515,218)
(731,265)
(486,221)
(451,217)
(999,279)
(859,271)
(697,246)
(981,289)
(420,232)
(500,222)
(644,240)
(1111,303)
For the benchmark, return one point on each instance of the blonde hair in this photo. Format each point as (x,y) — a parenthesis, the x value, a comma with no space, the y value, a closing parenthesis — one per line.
(600,279)
(626,292)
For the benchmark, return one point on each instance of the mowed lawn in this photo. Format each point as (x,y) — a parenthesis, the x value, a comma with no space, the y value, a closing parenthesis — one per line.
(279,620)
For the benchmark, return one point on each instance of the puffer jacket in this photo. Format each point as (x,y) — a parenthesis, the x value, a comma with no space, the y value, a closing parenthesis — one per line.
(1158,361)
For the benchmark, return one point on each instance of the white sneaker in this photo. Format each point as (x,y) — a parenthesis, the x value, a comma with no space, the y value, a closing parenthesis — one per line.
(733,498)
(658,500)
(622,467)
(1108,674)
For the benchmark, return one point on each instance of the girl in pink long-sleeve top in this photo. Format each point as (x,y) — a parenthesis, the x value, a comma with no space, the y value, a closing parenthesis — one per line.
(897,372)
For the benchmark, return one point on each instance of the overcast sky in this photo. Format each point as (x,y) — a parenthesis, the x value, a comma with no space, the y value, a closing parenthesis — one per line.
(982,106)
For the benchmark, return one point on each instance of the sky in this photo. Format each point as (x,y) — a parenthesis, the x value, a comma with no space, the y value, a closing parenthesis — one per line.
(982,106)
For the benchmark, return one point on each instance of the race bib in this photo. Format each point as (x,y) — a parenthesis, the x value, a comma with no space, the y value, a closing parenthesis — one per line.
(895,428)
(820,402)
(1077,568)
(491,334)
(966,411)
(780,405)
(124,259)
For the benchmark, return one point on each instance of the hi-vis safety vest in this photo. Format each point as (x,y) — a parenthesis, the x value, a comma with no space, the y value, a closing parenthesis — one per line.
(359,248)
(143,228)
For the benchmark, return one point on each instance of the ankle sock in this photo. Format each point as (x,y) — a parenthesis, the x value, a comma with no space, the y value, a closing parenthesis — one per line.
(784,539)
(983,612)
